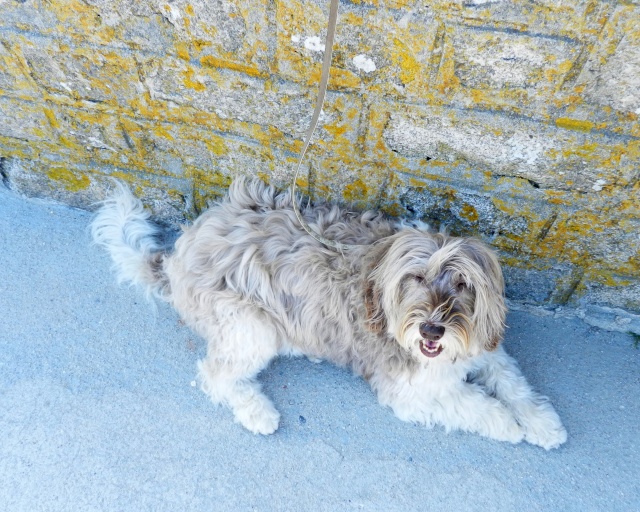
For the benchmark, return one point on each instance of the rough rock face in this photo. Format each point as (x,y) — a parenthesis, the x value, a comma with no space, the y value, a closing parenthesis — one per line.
(513,120)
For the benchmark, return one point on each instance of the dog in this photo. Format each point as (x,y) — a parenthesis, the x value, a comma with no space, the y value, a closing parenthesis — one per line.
(419,314)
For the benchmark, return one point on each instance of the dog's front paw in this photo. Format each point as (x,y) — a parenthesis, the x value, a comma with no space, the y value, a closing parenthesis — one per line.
(258,416)
(499,423)
(509,431)
(545,430)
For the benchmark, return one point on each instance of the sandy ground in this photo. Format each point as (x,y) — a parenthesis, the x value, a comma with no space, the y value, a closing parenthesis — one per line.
(98,409)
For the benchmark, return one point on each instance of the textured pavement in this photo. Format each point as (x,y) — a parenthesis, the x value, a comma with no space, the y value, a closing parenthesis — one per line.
(98,409)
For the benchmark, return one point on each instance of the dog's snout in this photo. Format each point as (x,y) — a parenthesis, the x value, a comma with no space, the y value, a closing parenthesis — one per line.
(431,331)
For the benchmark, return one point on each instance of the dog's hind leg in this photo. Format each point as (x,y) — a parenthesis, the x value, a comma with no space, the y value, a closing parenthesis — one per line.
(240,344)
(502,378)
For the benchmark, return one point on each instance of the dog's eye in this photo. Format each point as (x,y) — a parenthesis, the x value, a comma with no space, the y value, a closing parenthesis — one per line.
(461,286)
(418,279)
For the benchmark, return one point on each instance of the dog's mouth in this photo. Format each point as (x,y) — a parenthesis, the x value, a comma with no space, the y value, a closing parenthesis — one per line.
(430,348)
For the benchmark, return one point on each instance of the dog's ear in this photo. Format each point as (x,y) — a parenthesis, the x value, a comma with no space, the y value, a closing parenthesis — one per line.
(376,320)
(489,308)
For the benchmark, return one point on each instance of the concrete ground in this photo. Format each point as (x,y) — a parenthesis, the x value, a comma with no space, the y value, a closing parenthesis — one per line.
(98,409)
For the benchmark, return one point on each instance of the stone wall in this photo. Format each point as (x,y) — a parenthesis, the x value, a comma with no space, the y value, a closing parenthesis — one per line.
(513,120)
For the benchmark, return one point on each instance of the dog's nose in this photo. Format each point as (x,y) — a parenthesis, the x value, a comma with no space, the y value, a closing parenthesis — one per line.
(431,331)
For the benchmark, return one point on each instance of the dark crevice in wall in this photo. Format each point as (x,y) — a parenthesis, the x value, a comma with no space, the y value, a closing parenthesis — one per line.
(547,226)
(531,182)
(437,56)
(312,176)
(4,173)
(562,294)
(127,139)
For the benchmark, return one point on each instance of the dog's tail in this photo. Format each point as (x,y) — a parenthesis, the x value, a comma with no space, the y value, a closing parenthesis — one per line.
(122,226)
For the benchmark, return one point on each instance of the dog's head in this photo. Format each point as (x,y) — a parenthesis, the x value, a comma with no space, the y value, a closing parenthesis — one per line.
(438,296)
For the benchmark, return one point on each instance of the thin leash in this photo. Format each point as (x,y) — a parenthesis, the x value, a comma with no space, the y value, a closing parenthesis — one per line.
(324,80)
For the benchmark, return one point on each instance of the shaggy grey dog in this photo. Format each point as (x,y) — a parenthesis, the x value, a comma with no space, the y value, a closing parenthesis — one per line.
(419,315)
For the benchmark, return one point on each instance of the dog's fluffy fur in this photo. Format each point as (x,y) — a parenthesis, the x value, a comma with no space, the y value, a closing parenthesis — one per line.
(419,315)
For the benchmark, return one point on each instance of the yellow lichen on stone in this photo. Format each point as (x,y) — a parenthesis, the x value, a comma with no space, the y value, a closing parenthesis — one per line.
(182,50)
(469,212)
(191,81)
(214,62)
(69,180)
(402,56)
(217,146)
(51,117)
(574,124)
(338,78)
(356,191)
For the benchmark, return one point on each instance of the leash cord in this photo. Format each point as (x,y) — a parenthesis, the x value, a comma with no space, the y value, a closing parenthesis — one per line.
(322,89)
